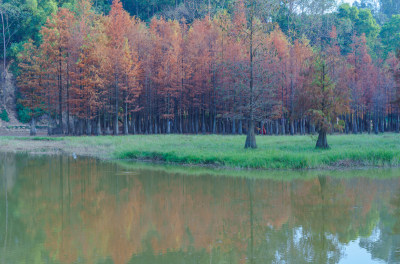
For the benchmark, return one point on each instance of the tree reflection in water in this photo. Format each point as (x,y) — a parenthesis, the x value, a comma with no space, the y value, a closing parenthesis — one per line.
(62,210)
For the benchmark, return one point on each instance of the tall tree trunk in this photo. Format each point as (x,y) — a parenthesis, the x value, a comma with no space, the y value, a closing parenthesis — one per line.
(126,132)
(186,124)
(214,125)
(150,125)
(88,127)
(322,142)
(196,121)
(81,126)
(176,116)
(50,126)
(146,125)
(67,102)
(271,128)
(354,121)
(33,127)
(60,90)
(203,122)
(192,129)
(292,127)
(251,137)
(376,123)
(298,127)
(368,123)
(98,129)
(104,122)
(74,126)
(108,130)
(156,127)
(168,126)
(3,75)
(139,124)
(346,124)
(180,124)
(116,128)
(133,124)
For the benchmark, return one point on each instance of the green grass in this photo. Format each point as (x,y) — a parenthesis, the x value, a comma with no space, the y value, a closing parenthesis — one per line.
(281,175)
(297,152)
(273,152)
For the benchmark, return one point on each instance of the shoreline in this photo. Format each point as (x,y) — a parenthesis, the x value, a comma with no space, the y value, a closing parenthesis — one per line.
(292,153)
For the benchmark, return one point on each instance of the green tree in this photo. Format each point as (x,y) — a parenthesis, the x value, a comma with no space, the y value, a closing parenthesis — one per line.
(366,24)
(390,34)
(324,100)
(351,21)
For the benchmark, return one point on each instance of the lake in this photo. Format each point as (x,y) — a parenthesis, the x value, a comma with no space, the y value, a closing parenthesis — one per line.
(57,209)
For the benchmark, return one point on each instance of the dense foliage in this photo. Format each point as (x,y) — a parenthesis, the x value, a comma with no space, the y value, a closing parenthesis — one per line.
(4,116)
(243,66)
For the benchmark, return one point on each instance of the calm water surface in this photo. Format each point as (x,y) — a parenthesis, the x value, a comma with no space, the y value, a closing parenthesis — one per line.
(60,210)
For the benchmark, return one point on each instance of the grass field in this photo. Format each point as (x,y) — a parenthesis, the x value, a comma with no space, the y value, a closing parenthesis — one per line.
(289,152)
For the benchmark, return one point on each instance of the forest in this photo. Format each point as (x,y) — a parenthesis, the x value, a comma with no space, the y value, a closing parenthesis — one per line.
(228,67)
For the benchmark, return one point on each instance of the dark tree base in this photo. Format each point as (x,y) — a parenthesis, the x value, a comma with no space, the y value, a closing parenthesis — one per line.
(322,142)
(251,137)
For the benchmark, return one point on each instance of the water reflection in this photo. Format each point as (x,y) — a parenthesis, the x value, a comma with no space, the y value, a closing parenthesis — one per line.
(61,210)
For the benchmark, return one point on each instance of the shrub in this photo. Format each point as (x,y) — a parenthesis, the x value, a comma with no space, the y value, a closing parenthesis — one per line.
(4,116)
(23,114)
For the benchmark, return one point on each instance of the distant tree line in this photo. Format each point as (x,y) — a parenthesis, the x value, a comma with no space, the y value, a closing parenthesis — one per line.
(237,73)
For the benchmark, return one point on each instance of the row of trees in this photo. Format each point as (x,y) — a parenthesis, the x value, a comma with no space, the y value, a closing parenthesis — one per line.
(96,74)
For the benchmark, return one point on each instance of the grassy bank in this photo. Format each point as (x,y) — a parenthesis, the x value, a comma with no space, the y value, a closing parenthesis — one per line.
(295,152)
(147,168)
